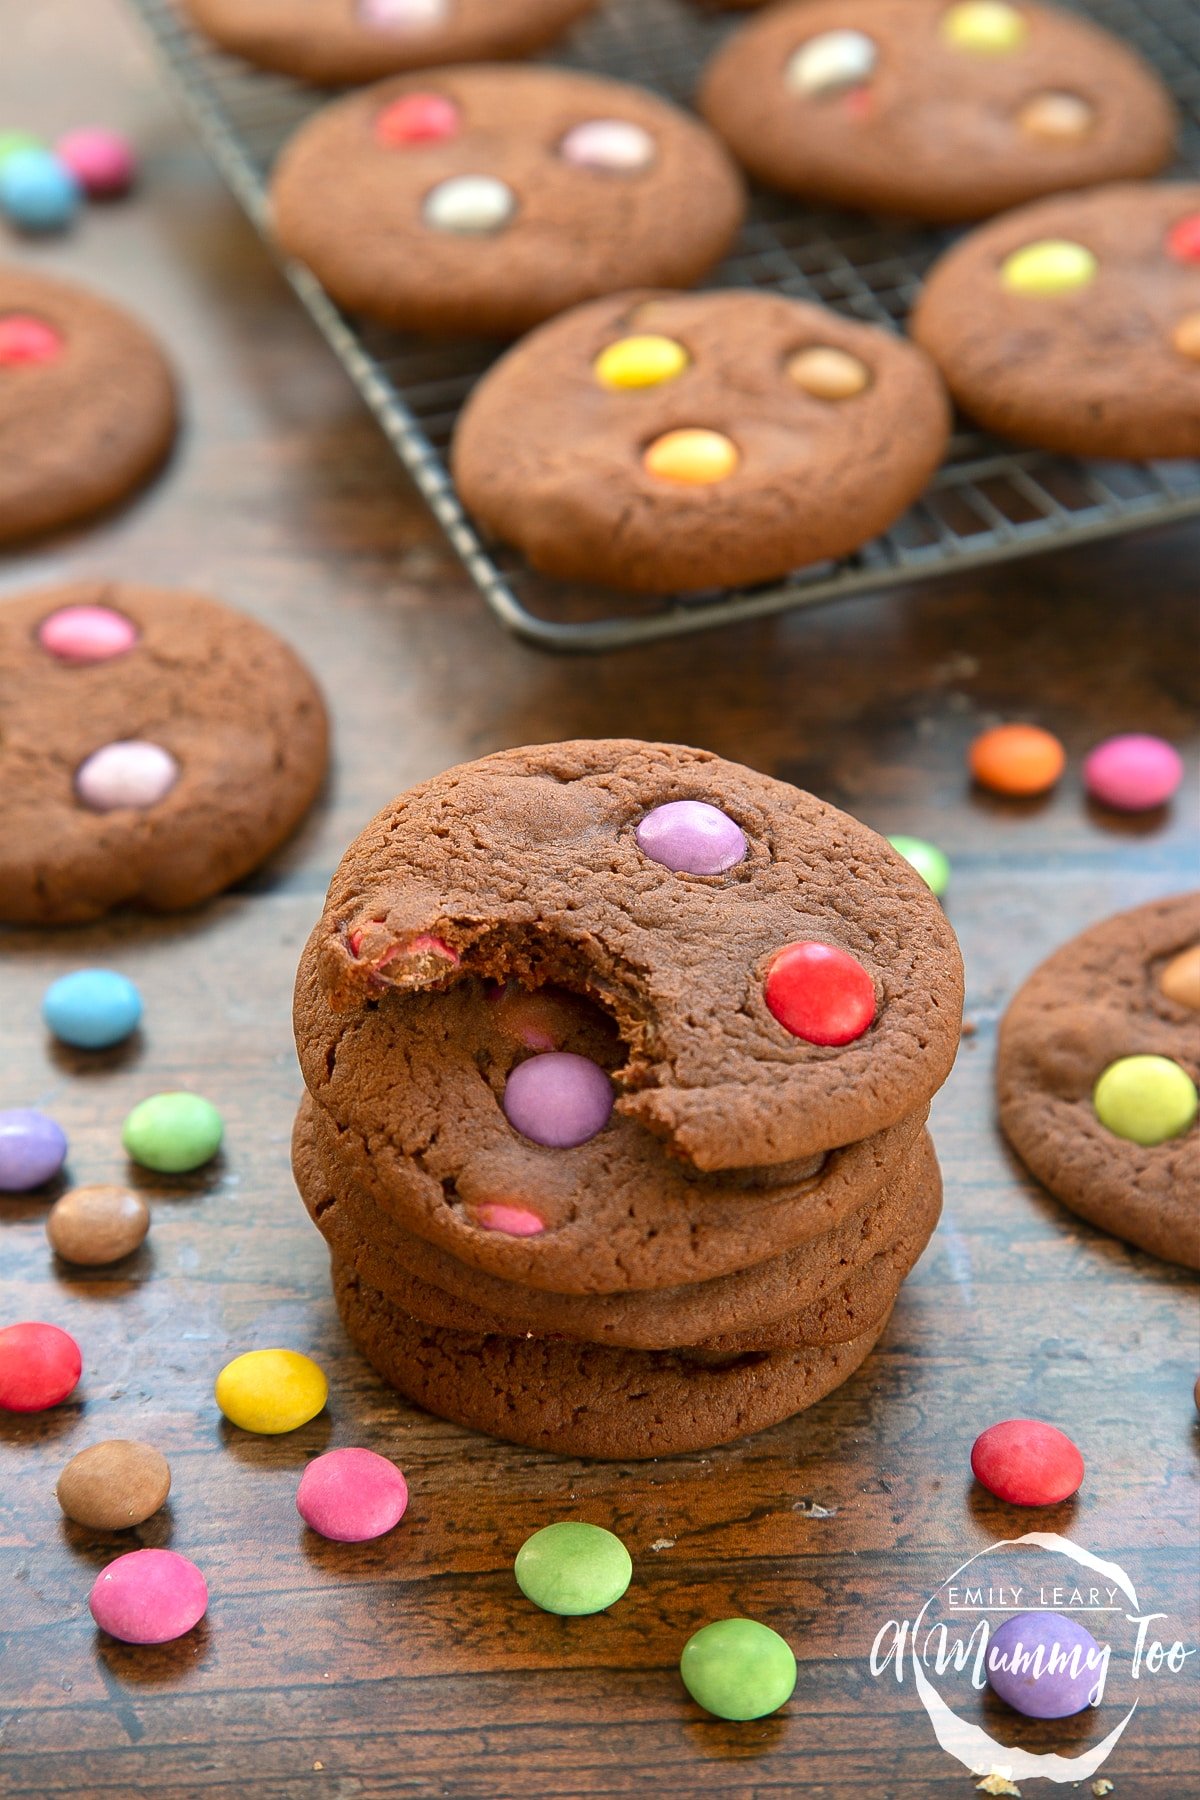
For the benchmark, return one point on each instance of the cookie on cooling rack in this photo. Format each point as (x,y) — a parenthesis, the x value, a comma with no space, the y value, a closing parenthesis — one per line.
(668,442)
(935,111)
(482,201)
(336,43)
(1074,324)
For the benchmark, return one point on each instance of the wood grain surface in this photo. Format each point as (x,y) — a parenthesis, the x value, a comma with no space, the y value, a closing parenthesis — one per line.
(411,1667)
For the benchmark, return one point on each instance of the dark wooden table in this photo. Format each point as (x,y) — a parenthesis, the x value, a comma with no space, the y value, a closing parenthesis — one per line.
(412,1666)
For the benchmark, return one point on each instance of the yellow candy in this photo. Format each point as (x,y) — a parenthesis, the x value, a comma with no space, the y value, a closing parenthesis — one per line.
(1052,266)
(989,27)
(696,458)
(640,362)
(271,1390)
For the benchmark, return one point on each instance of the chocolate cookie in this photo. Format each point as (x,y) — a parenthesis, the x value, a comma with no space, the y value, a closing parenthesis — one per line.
(1075,324)
(482,201)
(583,1400)
(664,441)
(154,748)
(336,43)
(87,404)
(776,978)
(1127,988)
(935,111)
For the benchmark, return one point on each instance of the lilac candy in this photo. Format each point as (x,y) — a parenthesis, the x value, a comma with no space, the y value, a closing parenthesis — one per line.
(401,14)
(691,837)
(130,773)
(1045,1665)
(32,1149)
(616,145)
(558,1099)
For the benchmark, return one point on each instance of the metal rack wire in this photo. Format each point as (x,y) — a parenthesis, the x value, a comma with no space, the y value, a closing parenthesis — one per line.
(989,501)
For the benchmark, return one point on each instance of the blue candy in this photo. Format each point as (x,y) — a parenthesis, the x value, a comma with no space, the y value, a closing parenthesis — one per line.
(92,1008)
(37,191)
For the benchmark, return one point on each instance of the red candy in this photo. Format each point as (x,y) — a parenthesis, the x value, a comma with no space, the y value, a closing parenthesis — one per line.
(1183,239)
(417,119)
(24,339)
(39,1366)
(820,993)
(1027,1463)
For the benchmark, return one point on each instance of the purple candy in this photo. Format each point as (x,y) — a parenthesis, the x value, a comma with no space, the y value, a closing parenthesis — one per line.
(691,837)
(558,1099)
(32,1149)
(1045,1665)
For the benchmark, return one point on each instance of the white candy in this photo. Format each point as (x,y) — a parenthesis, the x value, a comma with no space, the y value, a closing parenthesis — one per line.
(836,59)
(403,14)
(470,204)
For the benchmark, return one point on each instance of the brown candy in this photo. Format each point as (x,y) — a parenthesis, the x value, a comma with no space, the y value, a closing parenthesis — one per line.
(114,1485)
(1180,979)
(1057,118)
(829,374)
(97,1225)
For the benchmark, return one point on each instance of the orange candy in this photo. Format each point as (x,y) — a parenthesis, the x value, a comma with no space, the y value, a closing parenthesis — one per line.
(1017,759)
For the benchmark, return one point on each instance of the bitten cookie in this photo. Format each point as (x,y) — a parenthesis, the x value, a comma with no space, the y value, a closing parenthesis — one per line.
(154,748)
(87,404)
(1098,1059)
(336,43)
(1075,324)
(484,200)
(663,442)
(936,111)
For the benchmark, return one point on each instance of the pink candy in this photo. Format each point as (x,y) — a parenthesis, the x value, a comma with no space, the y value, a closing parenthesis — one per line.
(1134,773)
(512,1221)
(351,1495)
(149,1597)
(87,634)
(615,145)
(131,773)
(102,162)
(25,339)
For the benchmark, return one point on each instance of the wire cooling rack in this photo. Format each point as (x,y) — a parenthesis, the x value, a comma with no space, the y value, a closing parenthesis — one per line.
(989,501)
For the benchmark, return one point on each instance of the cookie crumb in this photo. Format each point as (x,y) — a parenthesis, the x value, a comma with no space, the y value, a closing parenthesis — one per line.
(997,1783)
(318,1765)
(811,1510)
(1102,1787)
(663,1544)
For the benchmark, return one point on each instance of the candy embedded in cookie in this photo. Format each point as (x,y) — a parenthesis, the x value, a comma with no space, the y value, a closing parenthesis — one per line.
(1146,1099)
(24,338)
(820,993)
(417,118)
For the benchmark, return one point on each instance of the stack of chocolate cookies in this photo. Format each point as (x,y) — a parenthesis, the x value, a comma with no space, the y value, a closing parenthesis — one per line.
(618,1061)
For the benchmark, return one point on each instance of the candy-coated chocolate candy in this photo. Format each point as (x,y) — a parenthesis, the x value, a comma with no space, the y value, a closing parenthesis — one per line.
(640,362)
(988,27)
(470,205)
(510,1221)
(539,1018)
(691,837)
(1027,1463)
(1146,1099)
(1057,118)
(12,141)
(271,1391)
(571,1568)
(92,1008)
(828,374)
(1051,266)
(738,1669)
(102,161)
(39,1366)
(33,1148)
(830,63)
(1017,760)
(417,119)
(693,457)
(403,15)
(351,1495)
(131,773)
(26,339)
(1183,239)
(114,1485)
(820,993)
(173,1133)
(94,1226)
(1180,979)
(1133,773)
(615,145)
(558,1099)
(86,634)
(931,864)
(1044,1665)
(37,191)
(149,1597)
(1186,336)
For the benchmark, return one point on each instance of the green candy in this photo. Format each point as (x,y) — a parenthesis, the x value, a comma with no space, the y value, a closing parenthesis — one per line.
(931,864)
(571,1568)
(12,141)
(173,1133)
(1146,1099)
(738,1669)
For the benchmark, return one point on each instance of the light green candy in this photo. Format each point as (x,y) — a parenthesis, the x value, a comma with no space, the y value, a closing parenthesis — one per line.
(931,864)
(12,141)
(172,1133)
(1051,266)
(738,1669)
(1146,1099)
(571,1568)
